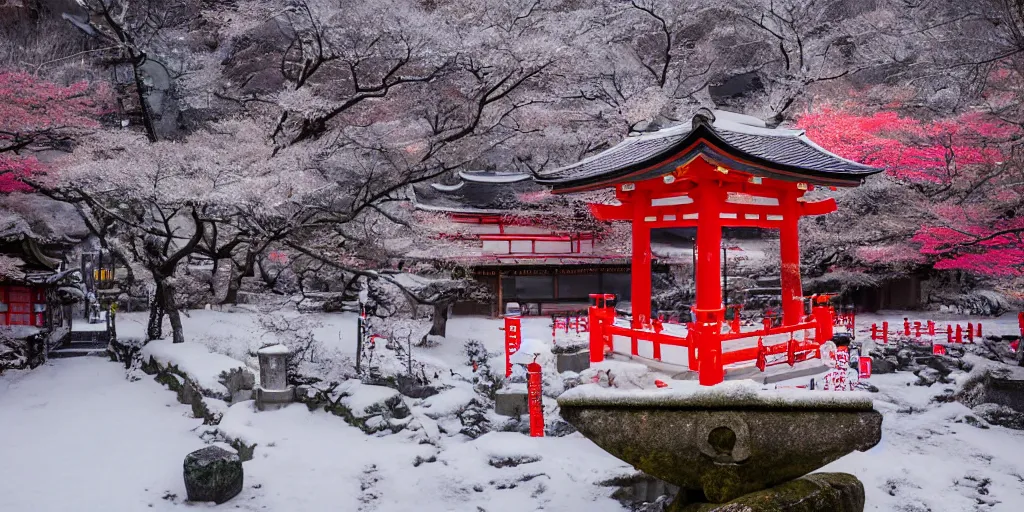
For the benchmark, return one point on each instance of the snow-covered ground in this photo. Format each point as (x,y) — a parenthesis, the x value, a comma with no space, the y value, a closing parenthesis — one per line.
(76,435)
(93,440)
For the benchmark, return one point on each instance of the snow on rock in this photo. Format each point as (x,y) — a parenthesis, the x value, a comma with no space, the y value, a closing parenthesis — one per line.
(448,402)
(737,394)
(208,371)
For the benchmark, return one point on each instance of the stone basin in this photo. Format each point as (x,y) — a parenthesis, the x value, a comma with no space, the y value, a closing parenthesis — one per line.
(718,443)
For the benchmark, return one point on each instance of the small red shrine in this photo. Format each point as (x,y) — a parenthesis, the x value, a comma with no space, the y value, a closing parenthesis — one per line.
(722,169)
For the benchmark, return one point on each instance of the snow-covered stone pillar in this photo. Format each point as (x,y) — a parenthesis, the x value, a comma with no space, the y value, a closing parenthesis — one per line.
(274,391)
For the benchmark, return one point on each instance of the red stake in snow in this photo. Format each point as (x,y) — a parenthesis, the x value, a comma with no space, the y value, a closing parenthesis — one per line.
(931,328)
(906,326)
(533,391)
(917,330)
(959,333)
(513,339)
(885,333)
(874,332)
(970,332)
(864,365)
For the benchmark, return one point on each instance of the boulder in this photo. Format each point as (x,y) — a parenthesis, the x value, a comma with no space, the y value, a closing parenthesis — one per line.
(882,365)
(1000,415)
(992,383)
(213,474)
(834,492)
(927,376)
(727,440)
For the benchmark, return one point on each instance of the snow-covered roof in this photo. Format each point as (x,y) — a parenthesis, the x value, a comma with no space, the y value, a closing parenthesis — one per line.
(740,142)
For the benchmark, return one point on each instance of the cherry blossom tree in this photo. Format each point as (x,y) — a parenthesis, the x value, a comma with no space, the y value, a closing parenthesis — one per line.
(36,116)
(961,185)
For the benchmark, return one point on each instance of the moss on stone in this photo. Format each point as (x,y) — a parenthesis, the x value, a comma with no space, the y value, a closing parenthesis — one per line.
(832,492)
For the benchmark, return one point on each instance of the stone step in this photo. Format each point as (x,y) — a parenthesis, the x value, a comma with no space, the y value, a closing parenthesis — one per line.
(63,353)
(85,344)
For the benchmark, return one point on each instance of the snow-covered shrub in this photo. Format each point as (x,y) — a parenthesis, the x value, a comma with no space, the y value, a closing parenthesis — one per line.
(474,420)
(476,353)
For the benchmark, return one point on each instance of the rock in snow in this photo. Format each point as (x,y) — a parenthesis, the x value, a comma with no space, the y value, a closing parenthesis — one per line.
(212,474)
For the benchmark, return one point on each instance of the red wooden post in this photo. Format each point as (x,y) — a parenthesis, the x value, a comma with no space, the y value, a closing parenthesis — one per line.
(598,319)
(864,367)
(970,332)
(710,312)
(959,333)
(874,332)
(513,340)
(979,330)
(917,329)
(885,333)
(822,314)
(641,264)
(533,392)
(949,334)
(789,253)
(906,326)
(931,328)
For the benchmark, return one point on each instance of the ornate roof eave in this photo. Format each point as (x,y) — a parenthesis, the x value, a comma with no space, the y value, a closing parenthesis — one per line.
(704,140)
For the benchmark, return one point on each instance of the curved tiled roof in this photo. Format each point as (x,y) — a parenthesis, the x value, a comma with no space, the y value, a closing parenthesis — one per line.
(730,139)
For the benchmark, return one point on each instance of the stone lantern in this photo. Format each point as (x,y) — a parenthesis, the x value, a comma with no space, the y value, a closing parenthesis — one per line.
(274,390)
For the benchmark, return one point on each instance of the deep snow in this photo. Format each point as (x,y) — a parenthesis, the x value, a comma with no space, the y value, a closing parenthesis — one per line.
(98,441)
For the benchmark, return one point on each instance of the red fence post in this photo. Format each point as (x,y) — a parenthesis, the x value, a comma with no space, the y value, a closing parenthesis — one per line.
(979,330)
(931,328)
(906,326)
(822,313)
(513,339)
(874,332)
(533,392)
(917,329)
(959,333)
(949,334)
(711,371)
(885,333)
(596,325)
(970,332)
(1020,323)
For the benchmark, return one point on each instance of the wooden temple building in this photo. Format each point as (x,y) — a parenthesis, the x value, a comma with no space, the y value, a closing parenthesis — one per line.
(522,249)
(530,252)
(721,170)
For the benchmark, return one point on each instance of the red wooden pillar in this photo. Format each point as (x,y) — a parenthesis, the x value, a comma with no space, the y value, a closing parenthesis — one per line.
(641,268)
(789,252)
(709,310)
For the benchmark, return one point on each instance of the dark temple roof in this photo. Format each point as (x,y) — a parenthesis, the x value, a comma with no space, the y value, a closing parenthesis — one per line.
(479,192)
(732,140)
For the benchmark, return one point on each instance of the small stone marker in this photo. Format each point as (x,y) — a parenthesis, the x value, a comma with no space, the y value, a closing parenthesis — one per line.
(274,391)
(212,474)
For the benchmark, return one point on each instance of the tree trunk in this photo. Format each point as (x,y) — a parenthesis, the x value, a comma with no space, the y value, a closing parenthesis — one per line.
(237,274)
(171,307)
(155,329)
(440,320)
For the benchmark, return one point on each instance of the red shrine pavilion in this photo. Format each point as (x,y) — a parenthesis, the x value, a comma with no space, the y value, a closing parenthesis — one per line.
(723,169)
